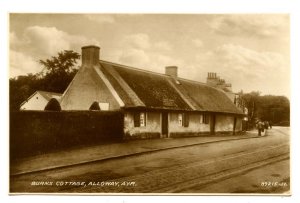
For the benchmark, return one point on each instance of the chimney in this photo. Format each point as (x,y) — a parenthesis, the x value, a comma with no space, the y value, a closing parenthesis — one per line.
(90,55)
(171,71)
(209,75)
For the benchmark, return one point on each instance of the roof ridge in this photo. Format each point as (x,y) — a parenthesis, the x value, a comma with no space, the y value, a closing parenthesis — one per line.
(156,73)
(161,74)
(202,83)
(48,92)
(134,68)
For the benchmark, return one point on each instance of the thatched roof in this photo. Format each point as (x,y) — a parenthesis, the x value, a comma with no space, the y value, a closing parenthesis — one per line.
(140,88)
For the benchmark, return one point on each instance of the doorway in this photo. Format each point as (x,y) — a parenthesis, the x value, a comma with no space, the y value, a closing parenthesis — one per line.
(212,124)
(164,125)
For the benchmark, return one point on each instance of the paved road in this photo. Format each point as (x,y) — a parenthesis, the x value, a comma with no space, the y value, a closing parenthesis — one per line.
(196,169)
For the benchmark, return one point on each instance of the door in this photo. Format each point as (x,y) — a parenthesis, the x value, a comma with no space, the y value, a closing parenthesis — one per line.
(164,125)
(234,125)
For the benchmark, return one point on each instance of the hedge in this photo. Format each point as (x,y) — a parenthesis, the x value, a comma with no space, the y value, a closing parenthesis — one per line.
(38,132)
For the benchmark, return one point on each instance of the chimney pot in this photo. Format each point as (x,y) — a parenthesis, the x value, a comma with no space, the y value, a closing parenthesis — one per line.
(171,71)
(90,55)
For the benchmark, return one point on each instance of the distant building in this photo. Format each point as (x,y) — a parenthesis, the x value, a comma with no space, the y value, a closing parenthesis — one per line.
(154,105)
(215,81)
(38,100)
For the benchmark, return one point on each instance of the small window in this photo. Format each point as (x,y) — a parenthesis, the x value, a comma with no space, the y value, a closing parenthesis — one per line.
(139,119)
(180,119)
(142,119)
(186,120)
(37,98)
(201,118)
(104,106)
(183,119)
(206,118)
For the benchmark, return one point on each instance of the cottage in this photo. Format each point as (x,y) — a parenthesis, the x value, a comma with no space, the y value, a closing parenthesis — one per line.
(38,100)
(154,105)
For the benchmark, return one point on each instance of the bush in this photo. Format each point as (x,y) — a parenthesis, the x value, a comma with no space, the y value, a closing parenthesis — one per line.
(53,105)
(39,132)
(95,106)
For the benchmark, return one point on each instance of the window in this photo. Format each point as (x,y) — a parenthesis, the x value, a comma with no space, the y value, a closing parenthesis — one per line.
(206,118)
(139,119)
(201,118)
(142,119)
(183,119)
(104,106)
(186,120)
(180,119)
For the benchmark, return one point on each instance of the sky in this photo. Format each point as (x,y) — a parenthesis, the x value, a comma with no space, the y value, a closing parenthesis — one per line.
(252,52)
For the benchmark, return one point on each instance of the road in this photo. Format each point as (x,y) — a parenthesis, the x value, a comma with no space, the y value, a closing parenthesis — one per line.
(256,165)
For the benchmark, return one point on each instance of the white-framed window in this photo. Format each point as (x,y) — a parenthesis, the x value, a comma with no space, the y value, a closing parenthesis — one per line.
(183,119)
(139,119)
(142,119)
(180,121)
(201,118)
(104,106)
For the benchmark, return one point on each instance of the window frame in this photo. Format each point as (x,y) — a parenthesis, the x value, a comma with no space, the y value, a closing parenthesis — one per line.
(137,118)
(183,119)
(186,120)
(143,118)
(206,118)
(201,117)
(180,119)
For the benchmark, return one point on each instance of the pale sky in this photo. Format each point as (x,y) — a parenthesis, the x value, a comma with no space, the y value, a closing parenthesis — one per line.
(250,51)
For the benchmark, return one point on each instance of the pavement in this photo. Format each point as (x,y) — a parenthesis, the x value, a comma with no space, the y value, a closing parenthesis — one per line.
(87,154)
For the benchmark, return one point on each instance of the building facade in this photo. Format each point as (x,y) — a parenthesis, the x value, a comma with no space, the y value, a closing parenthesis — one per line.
(38,100)
(155,105)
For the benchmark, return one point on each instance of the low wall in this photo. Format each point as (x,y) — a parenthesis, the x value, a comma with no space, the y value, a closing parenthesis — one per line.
(38,132)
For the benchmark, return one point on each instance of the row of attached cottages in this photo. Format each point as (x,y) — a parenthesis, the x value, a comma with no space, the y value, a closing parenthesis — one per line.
(154,105)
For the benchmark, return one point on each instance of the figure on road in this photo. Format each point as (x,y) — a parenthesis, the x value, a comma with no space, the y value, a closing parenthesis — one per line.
(260,127)
(266,126)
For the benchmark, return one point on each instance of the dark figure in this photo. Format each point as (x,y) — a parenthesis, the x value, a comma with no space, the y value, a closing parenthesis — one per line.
(260,128)
(270,124)
(266,124)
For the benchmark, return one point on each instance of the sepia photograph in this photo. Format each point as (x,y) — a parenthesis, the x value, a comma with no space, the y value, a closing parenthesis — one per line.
(149,104)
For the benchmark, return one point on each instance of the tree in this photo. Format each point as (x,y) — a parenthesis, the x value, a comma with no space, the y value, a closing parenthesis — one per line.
(53,105)
(251,101)
(60,71)
(61,64)
(20,89)
(95,106)
(57,73)
(268,107)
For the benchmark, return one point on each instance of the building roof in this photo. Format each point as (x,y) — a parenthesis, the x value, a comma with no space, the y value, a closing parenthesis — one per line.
(49,95)
(46,95)
(140,88)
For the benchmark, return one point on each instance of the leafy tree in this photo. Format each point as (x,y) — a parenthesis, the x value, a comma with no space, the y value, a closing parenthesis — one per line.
(60,71)
(251,102)
(21,88)
(57,73)
(53,105)
(268,107)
